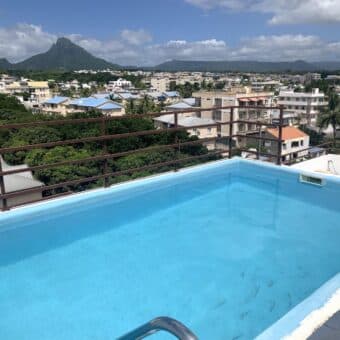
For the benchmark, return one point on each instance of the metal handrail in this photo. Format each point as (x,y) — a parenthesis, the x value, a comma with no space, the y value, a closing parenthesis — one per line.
(162,323)
(330,162)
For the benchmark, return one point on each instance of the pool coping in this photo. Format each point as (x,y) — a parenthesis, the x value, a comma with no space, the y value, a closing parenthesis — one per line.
(310,314)
(295,321)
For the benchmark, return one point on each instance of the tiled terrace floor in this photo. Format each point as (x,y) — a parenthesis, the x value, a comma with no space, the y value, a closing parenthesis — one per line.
(329,331)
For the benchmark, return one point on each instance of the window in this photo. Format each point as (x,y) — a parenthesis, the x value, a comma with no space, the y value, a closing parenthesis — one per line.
(218,102)
(301,143)
(295,144)
(217,115)
(284,146)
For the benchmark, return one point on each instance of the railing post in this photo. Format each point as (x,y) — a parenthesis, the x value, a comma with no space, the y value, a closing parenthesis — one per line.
(105,165)
(259,143)
(2,187)
(177,141)
(279,142)
(176,119)
(231,123)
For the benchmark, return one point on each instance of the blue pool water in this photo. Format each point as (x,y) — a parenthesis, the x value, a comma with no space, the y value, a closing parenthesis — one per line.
(227,249)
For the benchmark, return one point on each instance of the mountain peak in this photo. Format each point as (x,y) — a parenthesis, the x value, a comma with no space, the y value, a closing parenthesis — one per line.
(65,55)
(65,42)
(5,64)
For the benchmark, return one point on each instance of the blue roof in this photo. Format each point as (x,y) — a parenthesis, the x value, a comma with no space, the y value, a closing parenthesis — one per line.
(56,100)
(101,95)
(180,105)
(316,150)
(128,95)
(110,106)
(190,101)
(89,102)
(171,93)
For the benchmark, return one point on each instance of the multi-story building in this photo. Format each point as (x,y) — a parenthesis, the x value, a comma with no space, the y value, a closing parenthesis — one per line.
(160,84)
(243,98)
(32,92)
(304,106)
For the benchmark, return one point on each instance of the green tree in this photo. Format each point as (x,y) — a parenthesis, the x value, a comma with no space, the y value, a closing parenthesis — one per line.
(331,116)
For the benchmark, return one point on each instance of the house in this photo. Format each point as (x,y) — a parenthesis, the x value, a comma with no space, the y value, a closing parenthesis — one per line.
(20,181)
(171,96)
(56,104)
(295,143)
(105,106)
(304,105)
(178,106)
(193,125)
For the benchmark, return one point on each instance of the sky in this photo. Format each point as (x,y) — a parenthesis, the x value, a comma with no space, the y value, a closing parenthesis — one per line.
(148,32)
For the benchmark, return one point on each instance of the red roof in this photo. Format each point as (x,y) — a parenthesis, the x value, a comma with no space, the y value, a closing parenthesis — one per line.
(288,132)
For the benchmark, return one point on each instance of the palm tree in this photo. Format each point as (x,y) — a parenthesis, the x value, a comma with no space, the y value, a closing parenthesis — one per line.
(331,116)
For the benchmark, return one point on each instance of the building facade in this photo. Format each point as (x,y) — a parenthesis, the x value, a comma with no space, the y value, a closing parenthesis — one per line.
(303,106)
(247,102)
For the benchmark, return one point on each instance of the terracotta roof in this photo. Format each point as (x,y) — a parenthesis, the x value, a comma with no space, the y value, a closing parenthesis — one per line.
(288,132)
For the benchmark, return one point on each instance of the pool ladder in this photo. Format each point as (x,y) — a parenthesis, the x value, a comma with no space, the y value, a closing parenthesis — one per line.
(162,323)
(329,164)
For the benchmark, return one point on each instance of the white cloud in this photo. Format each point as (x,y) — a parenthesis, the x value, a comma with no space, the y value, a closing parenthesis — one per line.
(282,11)
(139,37)
(24,40)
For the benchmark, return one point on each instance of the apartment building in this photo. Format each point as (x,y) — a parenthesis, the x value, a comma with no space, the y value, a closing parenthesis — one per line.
(304,106)
(32,92)
(160,84)
(237,96)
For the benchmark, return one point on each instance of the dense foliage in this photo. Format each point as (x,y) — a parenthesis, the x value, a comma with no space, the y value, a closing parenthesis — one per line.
(12,111)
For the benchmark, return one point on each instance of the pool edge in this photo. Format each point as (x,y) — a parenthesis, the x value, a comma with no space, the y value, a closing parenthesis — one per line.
(305,318)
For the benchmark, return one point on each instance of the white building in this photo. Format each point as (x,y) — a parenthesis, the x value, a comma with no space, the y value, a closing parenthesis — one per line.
(195,126)
(304,105)
(295,143)
(20,181)
(160,84)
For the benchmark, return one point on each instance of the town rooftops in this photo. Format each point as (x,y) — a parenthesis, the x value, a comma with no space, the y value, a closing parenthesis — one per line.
(171,94)
(56,100)
(185,121)
(38,84)
(89,102)
(179,105)
(110,106)
(288,132)
(190,101)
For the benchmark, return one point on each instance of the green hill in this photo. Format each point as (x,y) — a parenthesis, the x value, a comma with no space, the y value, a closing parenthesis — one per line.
(63,55)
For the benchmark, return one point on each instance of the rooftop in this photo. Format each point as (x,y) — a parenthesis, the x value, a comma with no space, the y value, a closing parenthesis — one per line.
(185,121)
(288,132)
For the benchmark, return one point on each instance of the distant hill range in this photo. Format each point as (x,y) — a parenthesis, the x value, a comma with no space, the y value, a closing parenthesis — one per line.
(63,55)
(246,66)
(67,56)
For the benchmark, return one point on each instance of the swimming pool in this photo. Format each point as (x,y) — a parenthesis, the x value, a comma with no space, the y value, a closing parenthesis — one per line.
(227,248)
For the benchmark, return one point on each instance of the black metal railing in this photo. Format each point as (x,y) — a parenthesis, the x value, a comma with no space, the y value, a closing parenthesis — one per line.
(104,137)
